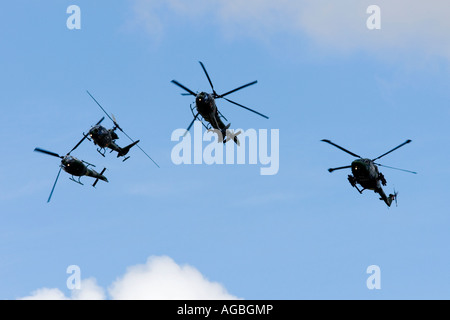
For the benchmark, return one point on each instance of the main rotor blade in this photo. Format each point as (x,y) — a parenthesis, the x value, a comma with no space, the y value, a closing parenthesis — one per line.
(139,147)
(209,79)
(148,156)
(183,87)
(85,136)
(240,105)
(234,90)
(118,127)
(333,169)
(100,121)
(48,152)
(78,144)
(339,147)
(190,125)
(102,109)
(54,185)
(381,165)
(406,142)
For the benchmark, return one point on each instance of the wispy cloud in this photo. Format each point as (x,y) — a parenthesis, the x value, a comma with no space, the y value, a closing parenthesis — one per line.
(406,25)
(160,278)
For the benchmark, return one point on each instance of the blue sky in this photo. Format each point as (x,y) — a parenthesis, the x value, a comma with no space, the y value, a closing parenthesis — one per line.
(300,234)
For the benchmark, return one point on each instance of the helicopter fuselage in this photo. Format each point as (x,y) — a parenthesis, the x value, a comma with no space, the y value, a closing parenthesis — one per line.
(207,108)
(73,166)
(366,173)
(103,137)
(77,168)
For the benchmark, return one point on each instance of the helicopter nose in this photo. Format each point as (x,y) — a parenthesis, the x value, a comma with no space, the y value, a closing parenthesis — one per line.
(202,96)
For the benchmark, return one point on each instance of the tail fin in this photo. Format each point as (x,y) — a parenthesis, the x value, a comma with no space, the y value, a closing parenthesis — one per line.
(386,199)
(224,132)
(391,198)
(231,135)
(100,176)
(124,151)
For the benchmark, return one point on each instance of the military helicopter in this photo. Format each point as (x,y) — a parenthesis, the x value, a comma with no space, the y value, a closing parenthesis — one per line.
(366,174)
(206,107)
(106,138)
(75,167)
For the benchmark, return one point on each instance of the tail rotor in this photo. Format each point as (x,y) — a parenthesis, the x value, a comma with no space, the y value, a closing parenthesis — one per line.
(100,176)
(395,197)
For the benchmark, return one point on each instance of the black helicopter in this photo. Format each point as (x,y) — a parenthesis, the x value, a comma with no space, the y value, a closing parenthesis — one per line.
(366,173)
(206,108)
(106,138)
(74,167)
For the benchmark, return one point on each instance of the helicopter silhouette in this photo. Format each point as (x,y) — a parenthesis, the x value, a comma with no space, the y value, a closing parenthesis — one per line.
(74,167)
(206,107)
(366,174)
(106,138)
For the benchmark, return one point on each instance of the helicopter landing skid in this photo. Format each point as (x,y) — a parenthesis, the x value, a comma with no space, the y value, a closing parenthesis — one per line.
(77,181)
(126,158)
(99,150)
(192,109)
(199,117)
(208,126)
(360,191)
(352,181)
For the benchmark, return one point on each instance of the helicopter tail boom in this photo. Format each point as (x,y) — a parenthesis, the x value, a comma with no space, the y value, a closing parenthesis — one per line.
(99,176)
(387,199)
(123,151)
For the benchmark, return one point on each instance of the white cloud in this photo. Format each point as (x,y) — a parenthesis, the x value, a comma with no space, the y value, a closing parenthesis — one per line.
(46,294)
(89,290)
(160,278)
(406,25)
